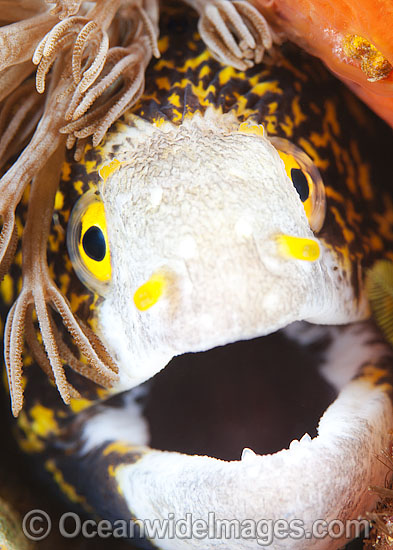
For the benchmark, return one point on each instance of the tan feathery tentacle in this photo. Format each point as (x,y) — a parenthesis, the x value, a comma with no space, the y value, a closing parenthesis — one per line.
(258,26)
(7,348)
(44,142)
(35,347)
(60,36)
(79,149)
(127,63)
(80,105)
(31,271)
(99,347)
(12,77)
(70,141)
(75,329)
(18,40)
(49,341)
(39,353)
(88,122)
(46,63)
(213,16)
(132,91)
(20,107)
(85,370)
(12,186)
(14,334)
(11,11)
(90,75)
(151,31)
(235,32)
(80,44)
(86,29)
(38,290)
(97,122)
(64,8)
(131,69)
(8,241)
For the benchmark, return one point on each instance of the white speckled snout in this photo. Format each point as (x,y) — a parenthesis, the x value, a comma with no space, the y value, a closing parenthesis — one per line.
(204,207)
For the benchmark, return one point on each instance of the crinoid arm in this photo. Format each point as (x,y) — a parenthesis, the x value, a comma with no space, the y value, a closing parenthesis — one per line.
(11,11)
(39,293)
(12,77)
(13,49)
(96,105)
(235,32)
(88,39)
(125,65)
(91,84)
(19,116)
(110,78)
(44,142)
(64,8)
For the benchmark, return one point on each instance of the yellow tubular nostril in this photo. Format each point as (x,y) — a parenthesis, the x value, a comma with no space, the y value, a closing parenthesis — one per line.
(298,248)
(109,169)
(250,128)
(150,292)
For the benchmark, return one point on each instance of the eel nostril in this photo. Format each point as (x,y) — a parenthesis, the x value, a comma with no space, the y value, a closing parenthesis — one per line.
(298,248)
(150,292)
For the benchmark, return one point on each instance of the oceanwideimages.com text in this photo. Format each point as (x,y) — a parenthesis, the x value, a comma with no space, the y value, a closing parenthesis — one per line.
(37,525)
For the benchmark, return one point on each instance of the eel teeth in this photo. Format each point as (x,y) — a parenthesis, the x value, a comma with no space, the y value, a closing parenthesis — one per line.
(303,440)
(247,454)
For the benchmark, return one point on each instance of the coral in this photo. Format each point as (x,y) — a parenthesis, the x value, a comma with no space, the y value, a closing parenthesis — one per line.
(382,517)
(91,60)
(235,32)
(64,8)
(39,291)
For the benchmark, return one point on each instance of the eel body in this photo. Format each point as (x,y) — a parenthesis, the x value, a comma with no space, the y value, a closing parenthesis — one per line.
(232,204)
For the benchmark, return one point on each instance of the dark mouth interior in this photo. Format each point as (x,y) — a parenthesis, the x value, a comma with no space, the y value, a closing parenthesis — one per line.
(261,394)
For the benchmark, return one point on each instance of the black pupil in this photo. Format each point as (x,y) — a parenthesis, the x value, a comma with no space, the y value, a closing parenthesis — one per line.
(93,243)
(300,182)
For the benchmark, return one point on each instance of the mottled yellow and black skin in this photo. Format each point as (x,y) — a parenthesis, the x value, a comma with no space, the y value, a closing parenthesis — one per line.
(293,97)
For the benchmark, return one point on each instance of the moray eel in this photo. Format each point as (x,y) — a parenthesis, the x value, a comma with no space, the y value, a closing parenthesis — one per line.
(224,206)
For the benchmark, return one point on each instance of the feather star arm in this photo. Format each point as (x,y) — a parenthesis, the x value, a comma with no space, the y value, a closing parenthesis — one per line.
(40,293)
(89,84)
(64,8)
(38,290)
(87,36)
(235,31)
(96,67)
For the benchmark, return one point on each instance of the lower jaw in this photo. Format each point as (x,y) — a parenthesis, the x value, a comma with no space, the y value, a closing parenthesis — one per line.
(260,394)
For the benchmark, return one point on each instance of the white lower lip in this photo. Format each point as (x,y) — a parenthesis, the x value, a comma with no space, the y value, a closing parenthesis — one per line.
(325,478)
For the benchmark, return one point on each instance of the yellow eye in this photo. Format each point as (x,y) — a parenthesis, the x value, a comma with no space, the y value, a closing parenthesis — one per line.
(87,242)
(306,179)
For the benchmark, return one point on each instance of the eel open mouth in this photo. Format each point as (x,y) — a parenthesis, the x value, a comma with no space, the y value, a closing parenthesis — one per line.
(261,394)
(315,413)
